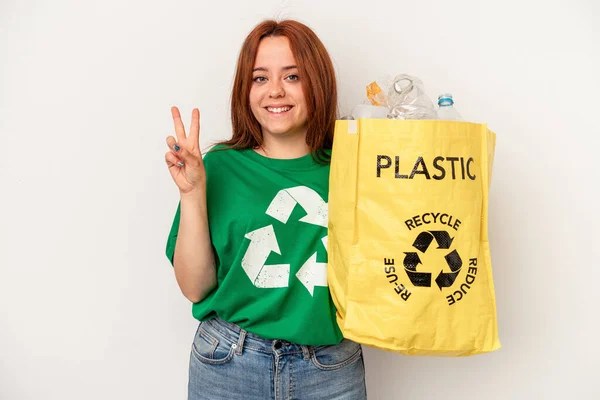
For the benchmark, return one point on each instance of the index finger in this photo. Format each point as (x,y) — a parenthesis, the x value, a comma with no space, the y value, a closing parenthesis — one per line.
(179,128)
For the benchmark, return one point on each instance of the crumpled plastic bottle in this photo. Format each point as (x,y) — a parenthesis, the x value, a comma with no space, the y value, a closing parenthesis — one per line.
(407,99)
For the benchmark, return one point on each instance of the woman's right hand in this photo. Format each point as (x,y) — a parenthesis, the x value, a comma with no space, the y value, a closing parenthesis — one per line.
(185,160)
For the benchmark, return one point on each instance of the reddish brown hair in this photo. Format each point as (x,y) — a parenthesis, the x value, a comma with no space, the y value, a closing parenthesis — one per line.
(318,83)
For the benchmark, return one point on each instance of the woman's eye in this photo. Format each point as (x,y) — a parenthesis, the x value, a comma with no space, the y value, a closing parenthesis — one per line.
(259,79)
(293,77)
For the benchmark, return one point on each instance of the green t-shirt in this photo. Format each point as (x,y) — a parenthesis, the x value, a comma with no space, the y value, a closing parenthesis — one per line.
(268,226)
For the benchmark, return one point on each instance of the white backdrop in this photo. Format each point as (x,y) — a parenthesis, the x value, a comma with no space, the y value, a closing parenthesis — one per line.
(89,305)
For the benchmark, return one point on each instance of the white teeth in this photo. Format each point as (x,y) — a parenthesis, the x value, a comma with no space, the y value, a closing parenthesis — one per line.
(278,109)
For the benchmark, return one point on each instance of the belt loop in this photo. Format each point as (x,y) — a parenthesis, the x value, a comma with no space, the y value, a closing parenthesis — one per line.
(305,352)
(240,343)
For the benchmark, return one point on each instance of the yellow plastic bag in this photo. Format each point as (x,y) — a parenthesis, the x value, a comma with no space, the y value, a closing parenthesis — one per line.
(409,261)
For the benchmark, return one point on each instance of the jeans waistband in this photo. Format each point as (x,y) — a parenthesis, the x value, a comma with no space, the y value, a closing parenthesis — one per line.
(243,339)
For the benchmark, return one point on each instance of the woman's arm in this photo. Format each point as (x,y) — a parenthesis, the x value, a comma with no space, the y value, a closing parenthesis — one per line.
(193,258)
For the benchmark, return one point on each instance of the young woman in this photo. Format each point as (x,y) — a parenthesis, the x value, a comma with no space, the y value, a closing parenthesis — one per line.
(249,239)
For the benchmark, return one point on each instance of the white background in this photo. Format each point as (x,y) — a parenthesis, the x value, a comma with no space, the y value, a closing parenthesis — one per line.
(89,307)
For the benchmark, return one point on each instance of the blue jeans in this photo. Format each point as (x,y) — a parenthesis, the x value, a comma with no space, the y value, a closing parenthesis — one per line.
(228,363)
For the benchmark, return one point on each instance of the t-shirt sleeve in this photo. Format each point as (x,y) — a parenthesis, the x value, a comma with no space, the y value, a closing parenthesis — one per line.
(172,239)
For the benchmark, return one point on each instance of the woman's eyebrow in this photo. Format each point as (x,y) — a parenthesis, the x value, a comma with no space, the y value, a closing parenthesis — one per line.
(266,70)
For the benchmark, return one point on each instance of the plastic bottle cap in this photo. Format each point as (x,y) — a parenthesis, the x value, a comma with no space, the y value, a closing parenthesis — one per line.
(445,99)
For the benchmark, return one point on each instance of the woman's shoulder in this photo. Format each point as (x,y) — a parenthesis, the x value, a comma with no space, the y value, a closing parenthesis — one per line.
(218,151)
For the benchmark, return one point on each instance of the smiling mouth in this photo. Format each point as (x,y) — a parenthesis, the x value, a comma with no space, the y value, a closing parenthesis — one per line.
(279,110)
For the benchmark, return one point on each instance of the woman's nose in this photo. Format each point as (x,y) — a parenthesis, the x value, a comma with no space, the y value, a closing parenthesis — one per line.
(276,89)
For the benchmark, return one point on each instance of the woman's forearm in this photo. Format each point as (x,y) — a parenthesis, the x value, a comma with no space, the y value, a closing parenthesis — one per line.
(194,260)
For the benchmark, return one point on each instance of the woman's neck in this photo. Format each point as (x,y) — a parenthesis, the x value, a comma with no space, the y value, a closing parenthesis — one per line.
(284,147)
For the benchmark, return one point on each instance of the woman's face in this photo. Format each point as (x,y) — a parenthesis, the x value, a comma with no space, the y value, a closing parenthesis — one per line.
(276,96)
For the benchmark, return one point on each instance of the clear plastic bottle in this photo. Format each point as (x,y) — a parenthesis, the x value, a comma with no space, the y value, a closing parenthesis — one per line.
(446,110)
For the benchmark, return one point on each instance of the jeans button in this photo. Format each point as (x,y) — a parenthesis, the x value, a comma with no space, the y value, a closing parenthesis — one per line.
(277,345)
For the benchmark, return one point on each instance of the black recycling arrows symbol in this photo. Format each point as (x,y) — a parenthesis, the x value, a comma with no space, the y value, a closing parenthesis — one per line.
(445,279)
(412,260)
(417,278)
(424,239)
(443,239)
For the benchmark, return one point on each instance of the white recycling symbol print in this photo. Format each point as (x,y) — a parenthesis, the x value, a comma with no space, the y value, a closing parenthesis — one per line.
(263,241)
